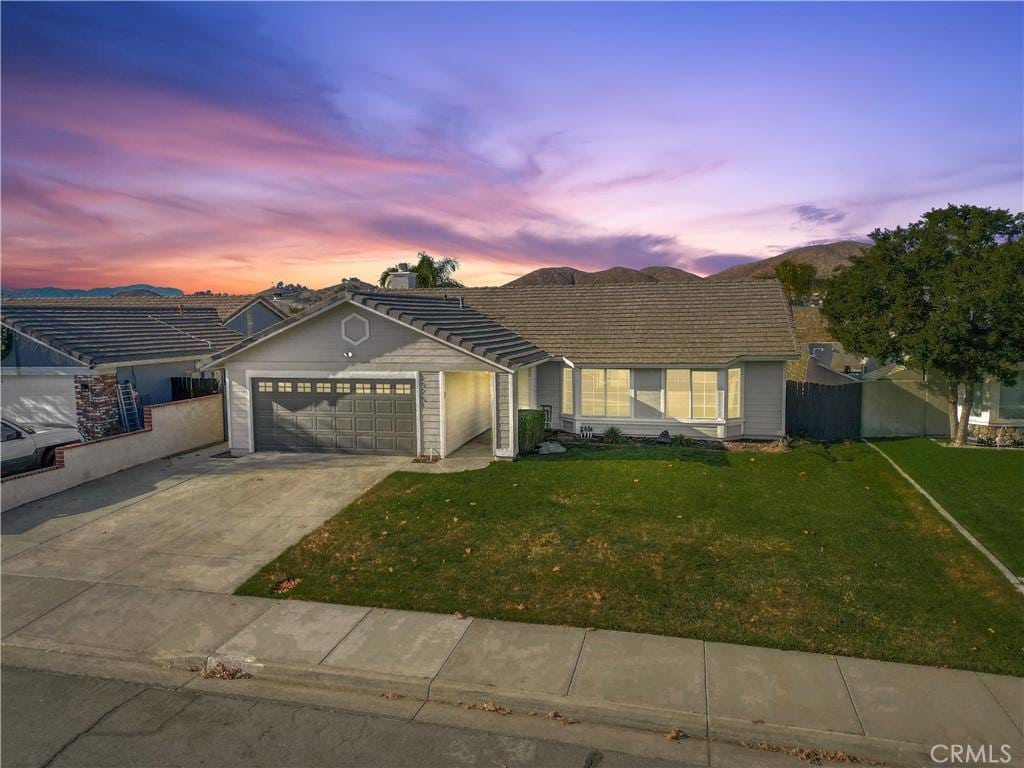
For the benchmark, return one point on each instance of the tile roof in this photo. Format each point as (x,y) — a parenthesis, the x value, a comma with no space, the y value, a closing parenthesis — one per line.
(97,335)
(644,323)
(227,306)
(447,319)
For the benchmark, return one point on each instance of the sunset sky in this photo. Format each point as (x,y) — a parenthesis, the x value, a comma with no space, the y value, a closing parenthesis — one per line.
(226,147)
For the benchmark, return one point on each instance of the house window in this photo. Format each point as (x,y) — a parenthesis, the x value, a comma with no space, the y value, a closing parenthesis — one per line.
(284,386)
(403,389)
(677,393)
(265,386)
(1011,400)
(323,386)
(735,387)
(303,386)
(592,392)
(617,387)
(705,394)
(980,405)
(383,389)
(362,388)
(343,387)
(567,392)
(604,392)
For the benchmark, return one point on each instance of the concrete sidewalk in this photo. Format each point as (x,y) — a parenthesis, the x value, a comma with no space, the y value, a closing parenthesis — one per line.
(887,712)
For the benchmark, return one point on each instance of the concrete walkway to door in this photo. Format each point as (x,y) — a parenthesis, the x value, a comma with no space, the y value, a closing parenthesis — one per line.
(191,522)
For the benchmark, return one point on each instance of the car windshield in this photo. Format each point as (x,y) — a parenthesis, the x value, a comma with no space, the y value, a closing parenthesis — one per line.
(26,430)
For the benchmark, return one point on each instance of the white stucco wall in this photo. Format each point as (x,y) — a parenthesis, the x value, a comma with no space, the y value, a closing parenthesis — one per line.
(170,428)
(764,399)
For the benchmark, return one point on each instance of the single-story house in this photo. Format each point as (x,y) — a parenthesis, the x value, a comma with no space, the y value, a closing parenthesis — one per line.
(423,372)
(62,362)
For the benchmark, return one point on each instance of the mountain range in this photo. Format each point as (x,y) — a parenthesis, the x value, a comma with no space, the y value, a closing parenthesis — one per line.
(825,258)
(49,292)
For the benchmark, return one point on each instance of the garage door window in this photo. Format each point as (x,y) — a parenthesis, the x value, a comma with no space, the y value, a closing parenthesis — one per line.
(403,389)
(343,387)
(323,386)
(362,389)
(303,386)
(383,389)
(284,386)
(265,386)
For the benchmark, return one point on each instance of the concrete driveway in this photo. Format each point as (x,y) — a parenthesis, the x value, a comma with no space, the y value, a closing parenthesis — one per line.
(191,522)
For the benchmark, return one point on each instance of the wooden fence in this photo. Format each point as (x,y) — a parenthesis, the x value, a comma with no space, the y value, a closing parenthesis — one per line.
(822,411)
(186,387)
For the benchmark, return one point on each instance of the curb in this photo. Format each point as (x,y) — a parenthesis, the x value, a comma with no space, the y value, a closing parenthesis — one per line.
(177,669)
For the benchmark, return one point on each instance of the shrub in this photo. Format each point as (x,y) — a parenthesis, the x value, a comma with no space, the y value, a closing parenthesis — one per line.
(613,435)
(531,430)
(682,441)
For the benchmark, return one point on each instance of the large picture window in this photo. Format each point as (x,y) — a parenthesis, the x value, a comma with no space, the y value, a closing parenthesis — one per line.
(705,394)
(1011,400)
(735,388)
(677,393)
(567,392)
(605,392)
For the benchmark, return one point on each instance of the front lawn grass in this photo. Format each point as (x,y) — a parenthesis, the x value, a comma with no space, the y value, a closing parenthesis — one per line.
(983,488)
(817,549)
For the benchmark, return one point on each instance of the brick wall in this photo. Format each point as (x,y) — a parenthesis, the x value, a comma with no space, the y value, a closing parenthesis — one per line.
(96,403)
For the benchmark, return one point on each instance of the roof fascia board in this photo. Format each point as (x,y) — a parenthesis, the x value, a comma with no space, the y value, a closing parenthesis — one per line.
(110,365)
(84,360)
(50,370)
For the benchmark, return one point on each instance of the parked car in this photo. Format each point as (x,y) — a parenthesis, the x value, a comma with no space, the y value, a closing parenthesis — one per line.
(27,447)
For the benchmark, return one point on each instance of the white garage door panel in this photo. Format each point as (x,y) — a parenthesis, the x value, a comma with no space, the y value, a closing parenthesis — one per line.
(467,407)
(39,399)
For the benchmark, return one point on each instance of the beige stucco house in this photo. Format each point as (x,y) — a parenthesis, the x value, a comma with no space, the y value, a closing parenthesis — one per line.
(423,372)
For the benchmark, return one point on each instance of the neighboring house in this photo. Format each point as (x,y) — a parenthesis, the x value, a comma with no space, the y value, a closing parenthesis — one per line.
(829,363)
(63,361)
(245,314)
(997,405)
(422,372)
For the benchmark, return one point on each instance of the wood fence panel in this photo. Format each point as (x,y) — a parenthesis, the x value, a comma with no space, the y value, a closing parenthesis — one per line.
(822,411)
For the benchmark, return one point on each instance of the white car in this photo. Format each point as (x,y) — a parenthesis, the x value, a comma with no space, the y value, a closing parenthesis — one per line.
(27,447)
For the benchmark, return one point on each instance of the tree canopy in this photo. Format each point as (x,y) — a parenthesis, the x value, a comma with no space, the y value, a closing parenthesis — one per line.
(430,272)
(797,279)
(945,293)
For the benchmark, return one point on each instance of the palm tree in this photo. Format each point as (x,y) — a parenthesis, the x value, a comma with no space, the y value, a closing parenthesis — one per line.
(430,272)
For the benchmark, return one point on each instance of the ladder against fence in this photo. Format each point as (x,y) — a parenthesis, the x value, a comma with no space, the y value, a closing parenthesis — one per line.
(823,411)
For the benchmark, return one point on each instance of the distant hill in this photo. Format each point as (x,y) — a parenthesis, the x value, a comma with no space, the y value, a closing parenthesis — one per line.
(49,292)
(824,258)
(611,276)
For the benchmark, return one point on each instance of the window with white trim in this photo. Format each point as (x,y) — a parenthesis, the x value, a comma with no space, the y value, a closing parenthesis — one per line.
(677,393)
(567,392)
(704,391)
(1011,399)
(592,392)
(605,392)
(617,388)
(735,388)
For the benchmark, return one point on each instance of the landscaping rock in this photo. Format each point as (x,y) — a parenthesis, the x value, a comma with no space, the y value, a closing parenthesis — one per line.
(664,438)
(549,447)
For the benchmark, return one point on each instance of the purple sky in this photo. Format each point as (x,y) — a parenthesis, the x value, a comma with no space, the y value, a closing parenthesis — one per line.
(228,146)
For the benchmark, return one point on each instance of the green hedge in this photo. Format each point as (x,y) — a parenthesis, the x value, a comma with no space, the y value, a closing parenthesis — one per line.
(531,430)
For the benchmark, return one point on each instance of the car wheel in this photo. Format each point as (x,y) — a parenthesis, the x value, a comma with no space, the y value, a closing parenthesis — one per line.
(48,459)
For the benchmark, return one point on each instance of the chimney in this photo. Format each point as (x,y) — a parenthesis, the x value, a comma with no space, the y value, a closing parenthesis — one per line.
(401,280)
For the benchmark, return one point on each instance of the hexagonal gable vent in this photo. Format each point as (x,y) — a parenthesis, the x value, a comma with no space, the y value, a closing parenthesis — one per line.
(355,329)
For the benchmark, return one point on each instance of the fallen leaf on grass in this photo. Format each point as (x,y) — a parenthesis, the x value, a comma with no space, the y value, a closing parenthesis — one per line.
(676,735)
(391,696)
(285,585)
(557,569)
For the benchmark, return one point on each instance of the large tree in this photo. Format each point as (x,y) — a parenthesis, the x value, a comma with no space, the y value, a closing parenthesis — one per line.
(797,279)
(945,294)
(430,272)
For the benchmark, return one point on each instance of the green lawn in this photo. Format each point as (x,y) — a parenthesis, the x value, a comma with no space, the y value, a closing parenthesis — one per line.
(817,549)
(982,488)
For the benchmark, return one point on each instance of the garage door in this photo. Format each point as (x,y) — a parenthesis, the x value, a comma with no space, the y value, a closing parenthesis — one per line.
(331,416)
